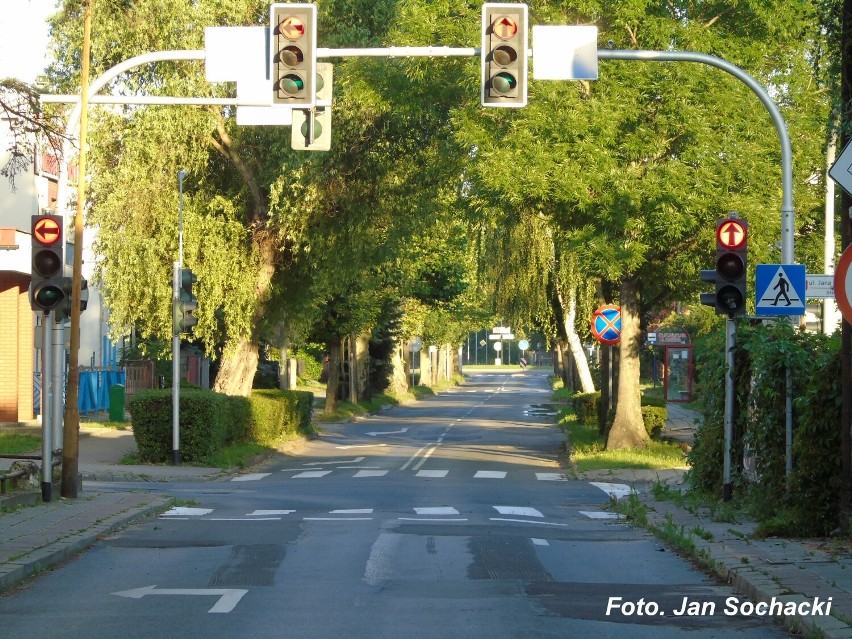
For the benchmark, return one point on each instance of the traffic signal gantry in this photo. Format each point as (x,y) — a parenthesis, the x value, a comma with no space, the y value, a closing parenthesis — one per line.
(730,274)
(504,55)
(293,39)
(184,303)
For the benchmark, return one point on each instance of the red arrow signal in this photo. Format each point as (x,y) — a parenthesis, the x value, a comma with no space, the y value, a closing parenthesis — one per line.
(47,231)
(731,234)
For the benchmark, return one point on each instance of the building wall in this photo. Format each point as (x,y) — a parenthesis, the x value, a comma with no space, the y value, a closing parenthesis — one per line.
(16,349)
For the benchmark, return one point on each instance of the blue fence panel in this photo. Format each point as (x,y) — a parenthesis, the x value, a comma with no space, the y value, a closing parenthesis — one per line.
(94,388)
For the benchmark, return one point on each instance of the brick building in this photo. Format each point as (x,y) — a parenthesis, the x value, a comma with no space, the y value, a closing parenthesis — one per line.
(34,191)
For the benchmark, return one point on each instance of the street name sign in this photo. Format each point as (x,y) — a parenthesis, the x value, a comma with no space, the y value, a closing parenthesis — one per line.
(819,286)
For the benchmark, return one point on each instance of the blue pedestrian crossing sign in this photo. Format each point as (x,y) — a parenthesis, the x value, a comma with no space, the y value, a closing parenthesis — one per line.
(780,289)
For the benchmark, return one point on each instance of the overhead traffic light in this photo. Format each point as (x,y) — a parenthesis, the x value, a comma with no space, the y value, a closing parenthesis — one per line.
(293,40)
(185,304)
(730,274)
(46,286)
(504,55)
(311,129)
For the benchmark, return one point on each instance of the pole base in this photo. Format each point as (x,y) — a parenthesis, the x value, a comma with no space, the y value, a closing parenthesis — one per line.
(46,491)
(727,492)
(175,458)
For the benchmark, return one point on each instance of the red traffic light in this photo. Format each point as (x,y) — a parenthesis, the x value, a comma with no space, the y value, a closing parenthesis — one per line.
(46,231)
(292,27)
(731,234)
(504,27)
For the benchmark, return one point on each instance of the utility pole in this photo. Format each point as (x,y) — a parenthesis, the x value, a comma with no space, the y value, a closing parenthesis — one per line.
(71,429)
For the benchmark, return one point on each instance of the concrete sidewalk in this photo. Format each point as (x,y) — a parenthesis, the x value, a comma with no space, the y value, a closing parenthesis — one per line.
(39,536)
(789,570)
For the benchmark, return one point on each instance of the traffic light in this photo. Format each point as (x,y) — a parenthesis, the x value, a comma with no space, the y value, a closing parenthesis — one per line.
(311,129)
(63,310)
(184,307)
(46,286)
(293,40)
(504,55)
(730,275)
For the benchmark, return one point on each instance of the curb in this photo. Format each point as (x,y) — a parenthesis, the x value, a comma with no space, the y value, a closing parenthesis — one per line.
(751,582)
(15,572)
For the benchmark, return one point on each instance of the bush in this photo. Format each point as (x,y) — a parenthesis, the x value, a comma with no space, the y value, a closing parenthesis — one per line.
(809,504)
(278,415)
(204,424)
(586,406)
(654,400)
(654,419)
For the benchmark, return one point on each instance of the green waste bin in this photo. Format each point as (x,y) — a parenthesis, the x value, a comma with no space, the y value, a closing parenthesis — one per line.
(116,403)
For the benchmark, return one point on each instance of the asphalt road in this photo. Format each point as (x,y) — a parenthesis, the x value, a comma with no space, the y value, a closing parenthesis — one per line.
(451,517)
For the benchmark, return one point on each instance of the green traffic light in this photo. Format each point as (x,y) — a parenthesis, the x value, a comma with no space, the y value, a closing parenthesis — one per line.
(292,84)
(317,129)
(504,82)
(49,296)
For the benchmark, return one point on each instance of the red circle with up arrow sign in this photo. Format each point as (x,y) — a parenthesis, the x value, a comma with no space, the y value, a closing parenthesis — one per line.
(731,234)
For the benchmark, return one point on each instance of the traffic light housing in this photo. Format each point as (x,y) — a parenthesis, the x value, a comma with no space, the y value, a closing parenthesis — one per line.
(311,129)
(293,40)
(46,282)
(185,305)
(63,310)
(730,274)
(504,55)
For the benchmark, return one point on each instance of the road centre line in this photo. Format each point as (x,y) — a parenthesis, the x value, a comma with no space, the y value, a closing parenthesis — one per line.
(426,456)
(413,457)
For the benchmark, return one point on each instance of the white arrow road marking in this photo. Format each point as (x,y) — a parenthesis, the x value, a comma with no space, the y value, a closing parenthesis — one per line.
(390,432)
(228,597)
(357,460)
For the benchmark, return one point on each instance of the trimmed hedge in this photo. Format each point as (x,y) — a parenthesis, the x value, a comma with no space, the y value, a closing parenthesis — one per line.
(277,415)
(586,406)
(210,421)
(654,419)
(204,424)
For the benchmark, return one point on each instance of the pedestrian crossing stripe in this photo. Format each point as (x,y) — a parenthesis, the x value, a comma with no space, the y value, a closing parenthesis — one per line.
(532,515)
(780,289)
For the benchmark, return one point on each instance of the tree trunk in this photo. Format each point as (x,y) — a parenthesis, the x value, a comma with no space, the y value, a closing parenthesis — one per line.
(564,306)
(399,377)
(362,366)
(239,360)
(335,353)
(628,430)
(581,364)
(236,374)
